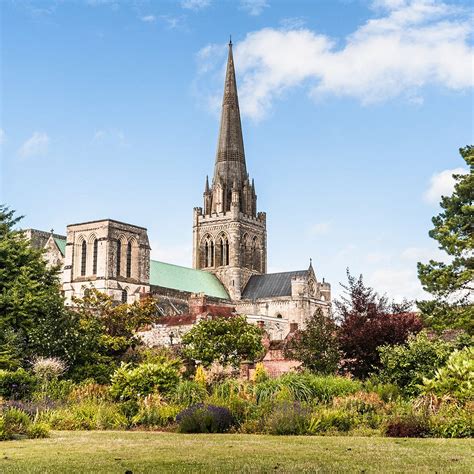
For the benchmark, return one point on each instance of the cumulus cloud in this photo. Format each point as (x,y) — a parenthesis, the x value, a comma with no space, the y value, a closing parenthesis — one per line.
(195,4)
(254,7)
(408,45)
(442,184)
(36,145)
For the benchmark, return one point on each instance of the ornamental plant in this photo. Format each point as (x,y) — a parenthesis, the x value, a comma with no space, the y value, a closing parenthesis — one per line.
(132,383)
(456,378)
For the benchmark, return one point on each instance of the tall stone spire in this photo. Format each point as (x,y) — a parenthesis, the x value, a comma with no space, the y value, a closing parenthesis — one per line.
(230,157)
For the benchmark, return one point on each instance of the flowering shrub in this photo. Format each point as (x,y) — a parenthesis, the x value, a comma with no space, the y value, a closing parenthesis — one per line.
(202,418)
(200,376)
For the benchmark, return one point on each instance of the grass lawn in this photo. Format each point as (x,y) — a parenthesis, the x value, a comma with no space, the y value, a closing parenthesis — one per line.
(119,451)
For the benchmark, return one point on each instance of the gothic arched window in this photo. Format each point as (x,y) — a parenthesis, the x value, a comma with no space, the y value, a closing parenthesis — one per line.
(224,251)
(83,258)
(124,296)
(212,254)
(119,256)
(206,254)
(95,249)
(129,260)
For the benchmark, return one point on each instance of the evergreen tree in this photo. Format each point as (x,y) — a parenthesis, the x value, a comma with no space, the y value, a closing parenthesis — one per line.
(30,297)
(452,284)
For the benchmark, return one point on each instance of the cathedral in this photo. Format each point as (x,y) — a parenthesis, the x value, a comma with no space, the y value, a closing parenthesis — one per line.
(229,273)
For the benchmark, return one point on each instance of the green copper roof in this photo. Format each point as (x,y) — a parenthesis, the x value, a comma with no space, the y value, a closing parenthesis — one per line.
(61,243)
(185,279)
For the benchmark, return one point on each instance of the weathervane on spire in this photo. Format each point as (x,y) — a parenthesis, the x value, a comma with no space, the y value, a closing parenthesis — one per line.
(230,40)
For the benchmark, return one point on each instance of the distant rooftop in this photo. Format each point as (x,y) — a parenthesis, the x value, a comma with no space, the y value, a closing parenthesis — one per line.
(271,285)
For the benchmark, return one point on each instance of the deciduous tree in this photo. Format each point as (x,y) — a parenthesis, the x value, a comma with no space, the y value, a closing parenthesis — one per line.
(227,341)
(316,346)
(368,321)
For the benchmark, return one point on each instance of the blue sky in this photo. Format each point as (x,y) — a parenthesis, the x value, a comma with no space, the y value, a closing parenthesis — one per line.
(353,112)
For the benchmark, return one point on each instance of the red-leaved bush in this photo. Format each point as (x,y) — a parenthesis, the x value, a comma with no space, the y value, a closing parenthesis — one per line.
(368,321)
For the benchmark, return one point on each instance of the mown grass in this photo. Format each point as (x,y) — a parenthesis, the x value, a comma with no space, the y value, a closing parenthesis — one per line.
(139,452)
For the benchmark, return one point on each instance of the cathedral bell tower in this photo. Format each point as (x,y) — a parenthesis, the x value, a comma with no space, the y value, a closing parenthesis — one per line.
(229,236)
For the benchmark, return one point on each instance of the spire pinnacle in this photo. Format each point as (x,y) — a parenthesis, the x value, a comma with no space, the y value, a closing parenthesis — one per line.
(230,156)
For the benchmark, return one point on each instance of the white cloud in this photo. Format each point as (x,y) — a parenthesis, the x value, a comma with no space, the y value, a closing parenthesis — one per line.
(320,228)
(3,136)
(442,184)
(148,18)
(406,46)
(254,7)
(195,4)
(37,144)
(397,283)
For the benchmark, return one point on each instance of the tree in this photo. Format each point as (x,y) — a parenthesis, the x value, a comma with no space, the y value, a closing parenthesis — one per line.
(368,321)
(452,284)
(32,316)
(107,332)
(227,341)
(316,346)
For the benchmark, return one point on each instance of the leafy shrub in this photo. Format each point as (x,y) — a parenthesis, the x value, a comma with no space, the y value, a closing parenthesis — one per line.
(407,425)
(188,392)
(134,382)
(38,430)
(16,385)
(14,423)
(388,392)
(152,412)
(406,365)
(330,419)
(86,415)
(456,378)
(202,418)
(452,421)
(288,419)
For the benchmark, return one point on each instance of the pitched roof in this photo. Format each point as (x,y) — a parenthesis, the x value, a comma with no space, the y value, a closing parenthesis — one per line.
(271,285)
(61,243)
(172,276)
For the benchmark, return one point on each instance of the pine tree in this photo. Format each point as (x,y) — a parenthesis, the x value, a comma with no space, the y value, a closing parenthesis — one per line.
(452,284)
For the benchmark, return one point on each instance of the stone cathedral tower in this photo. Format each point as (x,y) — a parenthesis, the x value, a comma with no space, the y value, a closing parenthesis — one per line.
(229,236)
